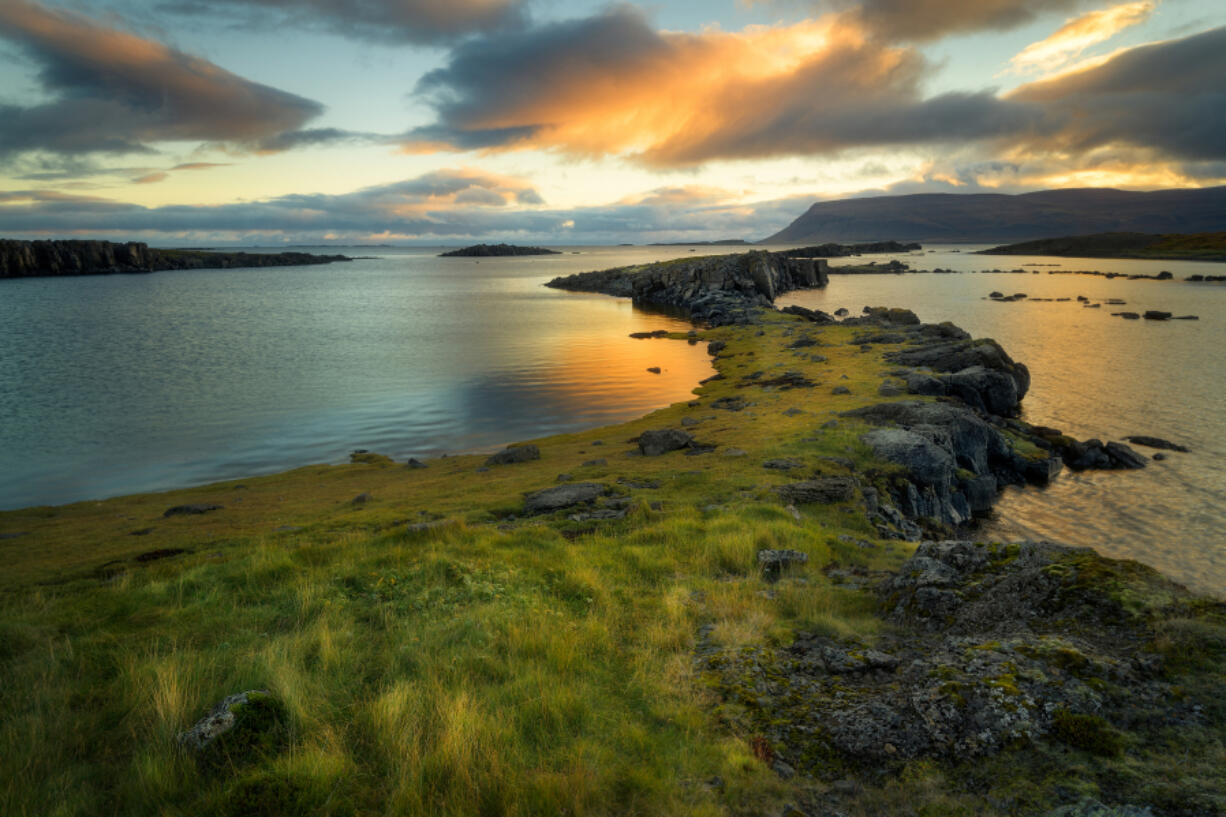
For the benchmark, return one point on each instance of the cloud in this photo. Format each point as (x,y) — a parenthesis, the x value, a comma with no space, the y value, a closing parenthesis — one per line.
(152,178)
(921,20)
(611,84)
(1075,36)
(200,165)
(459,204)
(114,92)
(414,21)
(1167,98)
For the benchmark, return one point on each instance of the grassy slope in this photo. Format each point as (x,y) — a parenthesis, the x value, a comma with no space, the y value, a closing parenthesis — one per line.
(487,666)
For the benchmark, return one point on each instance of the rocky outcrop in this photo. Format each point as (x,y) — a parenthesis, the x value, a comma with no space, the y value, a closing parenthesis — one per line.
(28,259)
(718,290)
(991,646)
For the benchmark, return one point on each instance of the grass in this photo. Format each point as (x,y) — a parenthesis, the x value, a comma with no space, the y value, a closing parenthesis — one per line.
(493,665)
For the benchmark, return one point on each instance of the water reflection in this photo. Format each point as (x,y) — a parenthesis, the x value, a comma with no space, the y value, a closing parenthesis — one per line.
(111,385)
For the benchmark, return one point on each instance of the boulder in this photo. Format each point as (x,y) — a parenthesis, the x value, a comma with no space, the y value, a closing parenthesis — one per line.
(515,454)
(563,496)
(985,389)
(1155,442)
(775,563)
(190,510)
(1156,315)
(240,729)
(925,461)
(825,490)
(661,441)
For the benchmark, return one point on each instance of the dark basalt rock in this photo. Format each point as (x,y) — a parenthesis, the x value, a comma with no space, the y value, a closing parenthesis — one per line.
(661,441)
(981,372)
(1155,442)
(825,491)
(563,496)
(190,510)
(991,646)
(514,454)
(775,563)
(718,290)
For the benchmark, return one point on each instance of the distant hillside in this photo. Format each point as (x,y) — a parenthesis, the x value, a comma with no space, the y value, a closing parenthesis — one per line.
(1175,246)
(1002,218)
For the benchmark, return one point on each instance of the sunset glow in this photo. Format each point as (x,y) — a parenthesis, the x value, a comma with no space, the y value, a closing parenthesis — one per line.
(577,114)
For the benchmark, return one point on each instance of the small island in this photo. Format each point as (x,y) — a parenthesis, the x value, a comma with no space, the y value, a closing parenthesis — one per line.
(34,259)
(491,250)
(1156,247)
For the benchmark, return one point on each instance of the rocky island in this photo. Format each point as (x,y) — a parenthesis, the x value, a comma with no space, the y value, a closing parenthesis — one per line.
(491,250)
(27,259)
(769,599)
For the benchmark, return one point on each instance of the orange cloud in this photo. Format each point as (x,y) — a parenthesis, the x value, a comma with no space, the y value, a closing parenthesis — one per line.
(1077,35)
(611,84)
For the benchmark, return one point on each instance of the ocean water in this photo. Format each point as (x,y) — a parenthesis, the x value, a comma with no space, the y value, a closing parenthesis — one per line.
(117,384)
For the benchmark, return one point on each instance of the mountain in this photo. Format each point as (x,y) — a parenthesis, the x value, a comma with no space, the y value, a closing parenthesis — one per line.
(1005,218)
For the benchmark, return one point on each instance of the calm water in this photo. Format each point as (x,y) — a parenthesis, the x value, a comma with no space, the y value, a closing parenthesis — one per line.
(116,384)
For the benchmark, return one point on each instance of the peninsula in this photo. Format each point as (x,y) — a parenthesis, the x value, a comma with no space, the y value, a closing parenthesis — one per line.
(490,250)
(767,599)
(1167,246)
(29,259)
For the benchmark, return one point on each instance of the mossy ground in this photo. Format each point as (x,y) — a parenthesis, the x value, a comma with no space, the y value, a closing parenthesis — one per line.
(495,664)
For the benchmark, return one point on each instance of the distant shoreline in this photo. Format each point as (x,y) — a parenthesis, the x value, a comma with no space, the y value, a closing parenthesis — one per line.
(53,259)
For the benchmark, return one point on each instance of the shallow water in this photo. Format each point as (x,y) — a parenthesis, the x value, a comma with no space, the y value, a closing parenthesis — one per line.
(1094,375)
(117,384)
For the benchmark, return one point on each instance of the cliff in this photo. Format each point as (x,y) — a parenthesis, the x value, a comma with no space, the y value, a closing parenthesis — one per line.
(718,289)
(973,217)
(28,259)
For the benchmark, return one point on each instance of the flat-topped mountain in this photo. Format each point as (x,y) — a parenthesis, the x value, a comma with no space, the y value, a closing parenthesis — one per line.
(30,259)
(974,217)
(489,250)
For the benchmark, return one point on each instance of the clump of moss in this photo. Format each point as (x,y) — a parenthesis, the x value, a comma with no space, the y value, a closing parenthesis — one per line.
(1090,733)
(267,795)
(261,730)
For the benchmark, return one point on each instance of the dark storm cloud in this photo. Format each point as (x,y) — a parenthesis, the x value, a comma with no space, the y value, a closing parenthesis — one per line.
(114,92)
(611,84)
(1168,96)
(415,21)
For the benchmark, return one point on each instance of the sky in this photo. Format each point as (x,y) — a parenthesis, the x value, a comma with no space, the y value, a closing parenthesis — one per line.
(270,122)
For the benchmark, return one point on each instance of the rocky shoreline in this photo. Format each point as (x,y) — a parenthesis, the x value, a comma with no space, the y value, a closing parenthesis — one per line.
(716,290)
(31,259)
(953,456)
